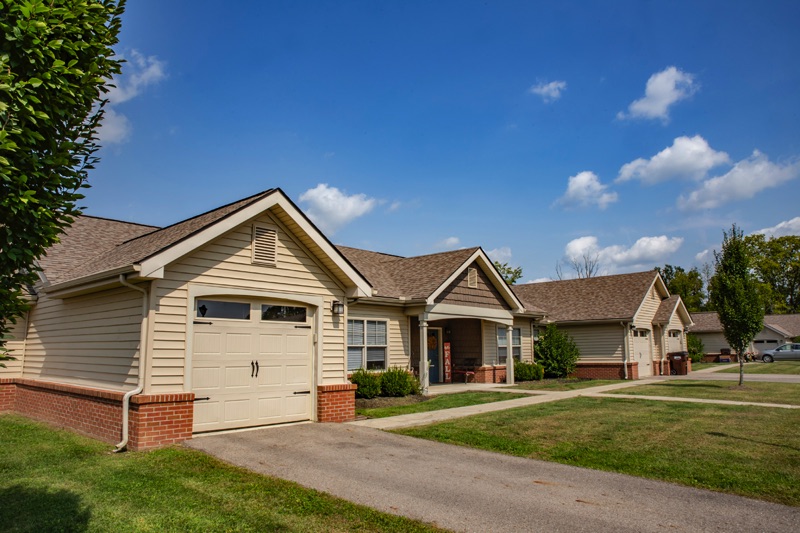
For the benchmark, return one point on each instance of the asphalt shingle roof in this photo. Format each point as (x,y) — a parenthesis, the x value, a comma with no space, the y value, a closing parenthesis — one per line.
(666,309)
(410,277)
(92,246)
(708,322)
(575,300)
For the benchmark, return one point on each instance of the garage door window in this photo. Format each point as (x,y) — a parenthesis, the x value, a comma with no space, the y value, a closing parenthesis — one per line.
(366,345)
(283,313)
(218,309)
(640,333)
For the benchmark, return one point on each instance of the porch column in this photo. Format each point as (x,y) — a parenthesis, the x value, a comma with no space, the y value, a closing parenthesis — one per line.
(423,353)
(510,355)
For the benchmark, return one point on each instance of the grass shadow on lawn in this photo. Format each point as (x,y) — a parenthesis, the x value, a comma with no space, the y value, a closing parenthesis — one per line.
(26,508)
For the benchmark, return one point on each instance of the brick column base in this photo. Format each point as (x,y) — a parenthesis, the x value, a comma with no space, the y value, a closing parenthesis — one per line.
(490,374)
(154,420)
(590,370)
(336,403)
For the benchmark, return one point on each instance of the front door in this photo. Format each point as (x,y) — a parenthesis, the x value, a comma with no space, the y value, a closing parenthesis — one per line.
(434,354)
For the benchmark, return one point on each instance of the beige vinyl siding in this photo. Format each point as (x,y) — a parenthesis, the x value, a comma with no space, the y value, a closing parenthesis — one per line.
(713,342)
(90,340)
(15,344)
(602,342)
(676,323)
(648,309)
(527,338)
(227,263)
(399,347)
(490,343)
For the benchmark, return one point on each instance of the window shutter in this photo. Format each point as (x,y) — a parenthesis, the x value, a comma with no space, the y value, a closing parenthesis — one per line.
(265,245)
(472,278)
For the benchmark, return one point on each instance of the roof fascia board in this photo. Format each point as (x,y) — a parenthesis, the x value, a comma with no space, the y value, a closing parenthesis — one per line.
(87,284)
(445,311)
(154,264)
(488,268)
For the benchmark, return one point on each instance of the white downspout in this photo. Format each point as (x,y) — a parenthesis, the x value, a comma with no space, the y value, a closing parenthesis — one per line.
(126,400)
(625,329)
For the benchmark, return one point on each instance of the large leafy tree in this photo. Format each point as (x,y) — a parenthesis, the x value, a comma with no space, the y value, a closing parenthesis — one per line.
(734,294)
(776,261)
(688,285)
(56,60)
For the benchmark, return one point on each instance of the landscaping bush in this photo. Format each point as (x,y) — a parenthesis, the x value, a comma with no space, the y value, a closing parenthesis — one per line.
(557,353)
(398,382)
(369,383)
(696,348)
(527,371)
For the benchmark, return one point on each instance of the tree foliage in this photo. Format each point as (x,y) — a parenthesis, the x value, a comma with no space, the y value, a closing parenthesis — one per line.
(56,61)
(556,352)
(695,347)
(734,294)
(776,262)
(688,285)
(511,275)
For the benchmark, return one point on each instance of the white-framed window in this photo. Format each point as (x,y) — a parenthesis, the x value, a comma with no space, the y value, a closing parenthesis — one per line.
(643,333)
(502,344)
(366,344)
(675,333)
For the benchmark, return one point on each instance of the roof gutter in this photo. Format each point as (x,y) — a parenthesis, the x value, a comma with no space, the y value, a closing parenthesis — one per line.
(64,288)
(126,400)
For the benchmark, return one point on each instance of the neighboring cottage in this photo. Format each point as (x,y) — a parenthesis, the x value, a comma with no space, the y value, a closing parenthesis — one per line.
(625,317)
(778,329)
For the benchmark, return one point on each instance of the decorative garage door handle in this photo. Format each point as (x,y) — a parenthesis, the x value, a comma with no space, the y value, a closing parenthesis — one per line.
(302,392)
(252,368)
(256,368)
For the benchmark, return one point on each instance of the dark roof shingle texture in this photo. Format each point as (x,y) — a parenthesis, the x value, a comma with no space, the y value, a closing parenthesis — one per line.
(602,298)
(708,322)
(409,277)
(101,247)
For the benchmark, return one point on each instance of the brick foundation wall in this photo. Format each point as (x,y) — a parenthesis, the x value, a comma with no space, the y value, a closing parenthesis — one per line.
(336,403)
(589,370)
(160,419)
(153,420)
(490,374)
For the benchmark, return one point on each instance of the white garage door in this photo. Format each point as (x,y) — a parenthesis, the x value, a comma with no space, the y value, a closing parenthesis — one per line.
(641,352)
(675,341)
(251,364)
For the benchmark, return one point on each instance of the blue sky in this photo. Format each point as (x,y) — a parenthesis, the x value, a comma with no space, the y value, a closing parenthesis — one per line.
(634,131)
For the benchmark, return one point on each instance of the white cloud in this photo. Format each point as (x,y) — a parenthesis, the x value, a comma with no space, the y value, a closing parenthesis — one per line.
(138,73)
(703,256)
(449,243)
(394,206)
(116,128)
(646,251)
(747,178)
(550,92)
(688,157)
(331,209)
(782,229)
(663,89)
(501,255)
(584,189)
(539,280)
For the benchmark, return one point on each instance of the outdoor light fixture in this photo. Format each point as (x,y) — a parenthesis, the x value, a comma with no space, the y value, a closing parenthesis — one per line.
(337,307)
(633,326)
(686,330)
(535,334)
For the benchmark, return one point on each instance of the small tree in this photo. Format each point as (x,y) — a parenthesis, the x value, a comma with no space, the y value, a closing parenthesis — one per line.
(695,347)
(734,294)
(556,352)
(510,275)
(56,61)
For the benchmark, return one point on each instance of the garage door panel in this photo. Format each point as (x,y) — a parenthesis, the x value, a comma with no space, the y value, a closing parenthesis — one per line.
(238,344)
(221,370)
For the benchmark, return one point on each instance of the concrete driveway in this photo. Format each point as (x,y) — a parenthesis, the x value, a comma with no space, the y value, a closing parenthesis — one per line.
(471,490)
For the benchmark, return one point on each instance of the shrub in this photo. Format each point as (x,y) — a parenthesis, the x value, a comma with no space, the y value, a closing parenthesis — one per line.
(696,348)
(369,383)
(398,382)
(557,353)
(527,371)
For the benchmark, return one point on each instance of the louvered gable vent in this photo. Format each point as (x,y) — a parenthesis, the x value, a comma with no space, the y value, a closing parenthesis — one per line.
(265,245)
(472,278)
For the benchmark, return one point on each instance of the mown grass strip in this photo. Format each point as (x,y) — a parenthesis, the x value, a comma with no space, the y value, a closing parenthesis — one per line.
(56,481)
(752,391)
(564,384)
(750,451)
(778,367)
(437,403)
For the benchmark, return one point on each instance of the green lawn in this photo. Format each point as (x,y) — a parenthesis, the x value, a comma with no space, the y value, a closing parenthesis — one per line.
(564,384)
(751,451)
(787,393)
(444,401)
(703,366)
(779,367)
(56,481)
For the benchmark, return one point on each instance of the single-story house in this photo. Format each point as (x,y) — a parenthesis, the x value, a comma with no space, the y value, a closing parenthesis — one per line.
(624,325)
(778,329)
(243,316)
